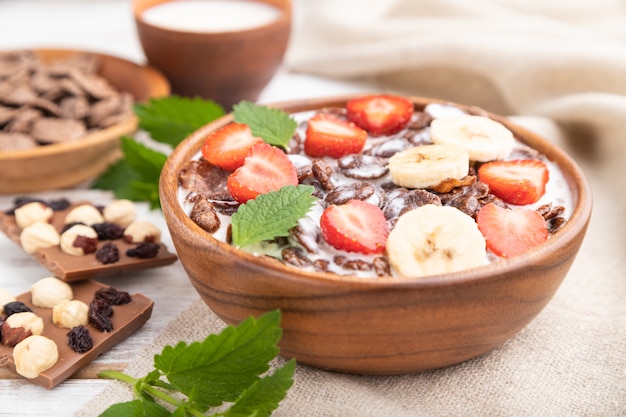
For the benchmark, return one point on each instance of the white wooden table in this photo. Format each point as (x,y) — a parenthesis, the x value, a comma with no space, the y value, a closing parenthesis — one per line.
(103,26)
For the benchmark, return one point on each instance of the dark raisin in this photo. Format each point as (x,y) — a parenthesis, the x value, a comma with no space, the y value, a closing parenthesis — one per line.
(21,201)
(108,253)
(100,313)
(79,339)
(15,307)
(87,244)
(113,296)
(59,204)
(108,230)
(144,250)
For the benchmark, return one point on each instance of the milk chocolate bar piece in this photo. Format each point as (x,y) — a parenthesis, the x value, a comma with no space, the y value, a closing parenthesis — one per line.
(126,318)
(72,268)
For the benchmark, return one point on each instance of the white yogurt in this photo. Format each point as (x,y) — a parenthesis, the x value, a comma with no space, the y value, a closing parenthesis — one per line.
(208,16)
(557,192)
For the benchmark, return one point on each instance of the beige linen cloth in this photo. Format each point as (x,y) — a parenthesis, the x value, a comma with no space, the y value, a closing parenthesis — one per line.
(558,67)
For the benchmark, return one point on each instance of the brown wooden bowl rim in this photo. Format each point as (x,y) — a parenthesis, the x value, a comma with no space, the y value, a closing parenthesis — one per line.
(579,187)
(283,19)
(159,87)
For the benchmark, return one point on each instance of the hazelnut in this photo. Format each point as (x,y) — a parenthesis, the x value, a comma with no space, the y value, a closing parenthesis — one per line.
(79,240)
(34,355)
(121,212)
(11,336)
(48,292)
(5,297)
(32,213)
(70,313)
(38,236)
(86,214)
(18,326)
(142,231)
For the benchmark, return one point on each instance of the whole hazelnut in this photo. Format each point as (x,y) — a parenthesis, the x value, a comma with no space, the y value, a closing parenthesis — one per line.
(70,313)
(32,213)
(48,292)
(121,212)
(79,240)
(18,326)
(142,231)
(34,355)
(38,236)
(5,297)
(85,213)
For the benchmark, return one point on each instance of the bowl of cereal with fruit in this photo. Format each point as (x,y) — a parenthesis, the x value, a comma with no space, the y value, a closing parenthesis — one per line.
(395,234)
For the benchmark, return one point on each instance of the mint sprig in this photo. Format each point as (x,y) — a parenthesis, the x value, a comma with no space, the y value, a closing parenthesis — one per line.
(272,125)
(168,120)
(271,215)
(228,367)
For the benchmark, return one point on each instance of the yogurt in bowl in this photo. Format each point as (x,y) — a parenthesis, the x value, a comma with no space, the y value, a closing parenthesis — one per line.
(439,156)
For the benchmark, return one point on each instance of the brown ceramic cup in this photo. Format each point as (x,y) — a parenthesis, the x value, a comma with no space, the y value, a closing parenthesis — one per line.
(227,66)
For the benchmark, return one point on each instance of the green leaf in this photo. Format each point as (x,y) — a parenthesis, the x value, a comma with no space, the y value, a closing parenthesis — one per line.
(146,162)
(271,215)
(274,126)
(136,408)
(117,179)
(222,366)
(264,396)
(171,119)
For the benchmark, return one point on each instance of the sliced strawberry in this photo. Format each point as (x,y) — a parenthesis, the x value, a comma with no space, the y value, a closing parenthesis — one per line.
(517,182)
(266,168)
(380,114)
(355,226)
(328,135)
(227,147)
(509,232)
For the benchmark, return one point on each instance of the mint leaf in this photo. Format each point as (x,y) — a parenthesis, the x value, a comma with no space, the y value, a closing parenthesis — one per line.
(136,177)
(271,215)
(264,396)
(222,366)
(171,119)
(136,408)
(274,126)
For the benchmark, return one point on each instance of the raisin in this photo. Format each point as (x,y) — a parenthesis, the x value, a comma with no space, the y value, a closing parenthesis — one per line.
(108,253)
(59,204)
(15,307)
(144,250)
(87,244)
(79,339)
(100,313)
(113,296)
(108,230)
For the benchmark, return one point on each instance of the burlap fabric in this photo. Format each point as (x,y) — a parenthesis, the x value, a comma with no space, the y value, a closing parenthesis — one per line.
(558,67)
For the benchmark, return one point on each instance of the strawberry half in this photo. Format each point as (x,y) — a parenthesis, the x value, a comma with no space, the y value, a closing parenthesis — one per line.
(265,169)
(355,226)
(227,147)
(509,232)
(328,135)
(517,182)
(380,114)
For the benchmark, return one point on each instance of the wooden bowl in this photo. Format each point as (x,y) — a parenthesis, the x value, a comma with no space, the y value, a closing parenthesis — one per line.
(67,164)
(222,66)
(385,325)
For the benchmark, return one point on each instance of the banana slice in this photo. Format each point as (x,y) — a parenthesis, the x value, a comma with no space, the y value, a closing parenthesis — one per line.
(431,240)
(483,138)
(428,165)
